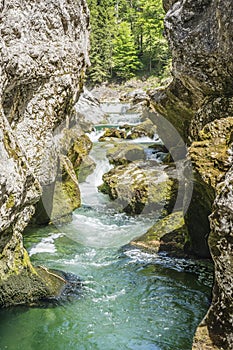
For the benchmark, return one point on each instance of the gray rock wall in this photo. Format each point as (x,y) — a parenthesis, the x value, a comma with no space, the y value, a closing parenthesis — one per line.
(200,34)
(43,57)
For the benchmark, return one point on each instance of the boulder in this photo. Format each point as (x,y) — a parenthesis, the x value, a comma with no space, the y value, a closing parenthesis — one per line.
(113,133)
(141,187)
(124,153)
(146,128)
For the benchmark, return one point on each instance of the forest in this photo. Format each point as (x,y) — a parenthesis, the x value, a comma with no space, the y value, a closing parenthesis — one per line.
(127,40)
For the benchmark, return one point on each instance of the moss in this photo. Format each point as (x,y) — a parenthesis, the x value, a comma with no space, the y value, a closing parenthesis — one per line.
(168,234)
(10,201)
(124,153)
(202,340)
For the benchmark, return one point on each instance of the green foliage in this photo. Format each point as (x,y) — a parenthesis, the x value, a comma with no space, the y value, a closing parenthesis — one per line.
(125,59)
(102,17)
(127,39)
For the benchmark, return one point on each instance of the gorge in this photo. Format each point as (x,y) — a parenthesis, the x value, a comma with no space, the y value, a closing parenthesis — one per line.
(44,56)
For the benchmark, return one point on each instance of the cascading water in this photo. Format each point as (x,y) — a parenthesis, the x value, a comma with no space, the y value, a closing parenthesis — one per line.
(130,300)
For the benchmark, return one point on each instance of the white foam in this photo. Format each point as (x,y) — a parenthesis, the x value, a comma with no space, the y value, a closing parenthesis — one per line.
(95,135)
(46,245)
(97,232)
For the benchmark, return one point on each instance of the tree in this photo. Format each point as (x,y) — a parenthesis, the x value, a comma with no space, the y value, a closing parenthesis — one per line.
(125,59)
(154,48)
(102,18)
(126,39)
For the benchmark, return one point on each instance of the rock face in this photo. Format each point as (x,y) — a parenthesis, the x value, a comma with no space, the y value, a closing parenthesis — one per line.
(199,103)
(44,52)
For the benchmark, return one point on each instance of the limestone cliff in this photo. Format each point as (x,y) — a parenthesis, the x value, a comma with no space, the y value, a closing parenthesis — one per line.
(44,53)
(199,103)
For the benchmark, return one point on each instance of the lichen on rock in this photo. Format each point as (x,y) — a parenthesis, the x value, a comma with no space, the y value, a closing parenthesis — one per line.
(199,104)
(44,53)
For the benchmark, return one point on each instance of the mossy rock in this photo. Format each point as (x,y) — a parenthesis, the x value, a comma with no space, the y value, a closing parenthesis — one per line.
(146,128)
(209,155)
(79,149)
(124,153)
(60,198)
(210,159)
(29,285)
(168,234)
(66,196)
(86,168)
(38,287)
(140,187)
(113,133)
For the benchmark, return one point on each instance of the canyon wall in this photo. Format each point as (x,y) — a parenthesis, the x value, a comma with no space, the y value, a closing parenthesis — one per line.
(199,102)
(44,54)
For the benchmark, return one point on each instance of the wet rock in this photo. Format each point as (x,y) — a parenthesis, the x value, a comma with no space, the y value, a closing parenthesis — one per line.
(113,132)
(141,187)
(124,153)
(146,128)
(168,234)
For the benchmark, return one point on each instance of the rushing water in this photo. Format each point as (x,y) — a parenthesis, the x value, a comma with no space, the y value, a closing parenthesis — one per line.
(130,299)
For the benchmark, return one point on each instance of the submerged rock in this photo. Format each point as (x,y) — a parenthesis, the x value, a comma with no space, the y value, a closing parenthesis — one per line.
(44,53)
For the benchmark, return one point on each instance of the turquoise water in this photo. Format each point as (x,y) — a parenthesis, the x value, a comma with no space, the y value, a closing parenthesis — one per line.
(130,299)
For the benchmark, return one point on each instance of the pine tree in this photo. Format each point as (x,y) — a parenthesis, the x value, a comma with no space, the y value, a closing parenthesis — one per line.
(125,59)
(102,17)
(126,38)
(154,47)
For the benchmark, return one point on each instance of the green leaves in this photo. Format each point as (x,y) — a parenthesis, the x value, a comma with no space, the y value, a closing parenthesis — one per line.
(125,58)
(126,39)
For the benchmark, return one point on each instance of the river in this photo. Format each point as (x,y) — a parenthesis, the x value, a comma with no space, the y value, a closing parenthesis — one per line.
(130,299)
